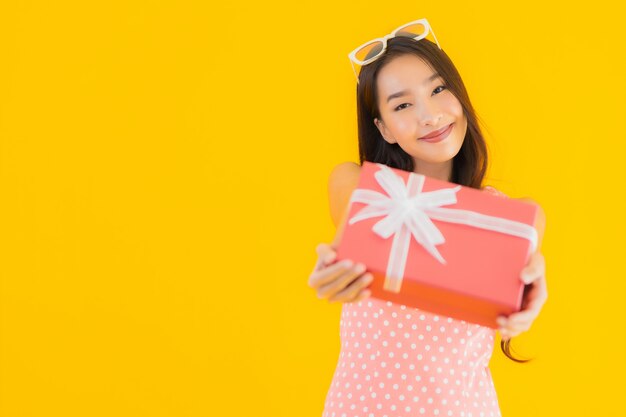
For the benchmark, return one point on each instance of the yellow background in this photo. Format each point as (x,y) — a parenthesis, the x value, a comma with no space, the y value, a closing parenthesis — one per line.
(163,171)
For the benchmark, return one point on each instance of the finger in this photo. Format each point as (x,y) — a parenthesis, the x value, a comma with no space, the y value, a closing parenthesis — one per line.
(351,292)
(362,295)
(537,296)
(508,333)
(519,321)
(329,273)
(513,327)
(326,254)
(534,270)
(341,281)
(351,289)
(542,290)
(519,326)
(535,264)
(523,316)
(504,333)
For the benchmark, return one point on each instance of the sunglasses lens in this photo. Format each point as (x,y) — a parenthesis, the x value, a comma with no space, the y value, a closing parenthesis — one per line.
(370,50)
(411,31)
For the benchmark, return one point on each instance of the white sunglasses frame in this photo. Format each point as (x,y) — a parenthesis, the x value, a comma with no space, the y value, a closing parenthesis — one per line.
(383,40)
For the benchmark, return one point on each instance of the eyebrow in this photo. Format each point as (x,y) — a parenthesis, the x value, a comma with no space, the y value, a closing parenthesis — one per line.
(405,92)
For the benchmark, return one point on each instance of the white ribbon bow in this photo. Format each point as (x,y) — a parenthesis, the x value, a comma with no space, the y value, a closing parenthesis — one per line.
(408,212)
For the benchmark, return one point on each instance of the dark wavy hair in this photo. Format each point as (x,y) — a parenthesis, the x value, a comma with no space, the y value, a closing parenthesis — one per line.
(468,166)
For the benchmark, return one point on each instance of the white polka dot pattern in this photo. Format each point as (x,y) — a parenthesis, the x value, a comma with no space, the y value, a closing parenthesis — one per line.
(399,361)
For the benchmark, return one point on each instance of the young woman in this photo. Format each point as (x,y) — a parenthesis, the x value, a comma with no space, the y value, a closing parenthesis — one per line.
(413,114)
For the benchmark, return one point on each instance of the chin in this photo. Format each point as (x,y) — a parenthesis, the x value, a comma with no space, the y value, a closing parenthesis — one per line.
(441,157)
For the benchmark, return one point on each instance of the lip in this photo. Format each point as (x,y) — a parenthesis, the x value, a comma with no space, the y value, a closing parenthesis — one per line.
(438,135)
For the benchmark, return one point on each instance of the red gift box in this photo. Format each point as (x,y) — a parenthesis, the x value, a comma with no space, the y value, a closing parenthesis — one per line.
(438,246)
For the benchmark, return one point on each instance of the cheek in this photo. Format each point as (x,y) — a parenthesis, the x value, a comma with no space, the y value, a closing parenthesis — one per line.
(400,124)
(453,106)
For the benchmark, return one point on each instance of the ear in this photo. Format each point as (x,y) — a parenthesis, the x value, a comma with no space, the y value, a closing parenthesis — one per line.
(384,131)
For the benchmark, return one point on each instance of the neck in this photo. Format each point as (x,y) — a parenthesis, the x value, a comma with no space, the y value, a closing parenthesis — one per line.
(439,171)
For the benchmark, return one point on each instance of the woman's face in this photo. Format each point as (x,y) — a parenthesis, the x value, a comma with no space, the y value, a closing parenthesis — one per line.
(414,102)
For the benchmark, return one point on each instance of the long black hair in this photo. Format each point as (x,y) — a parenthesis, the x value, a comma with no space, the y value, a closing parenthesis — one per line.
(469,165)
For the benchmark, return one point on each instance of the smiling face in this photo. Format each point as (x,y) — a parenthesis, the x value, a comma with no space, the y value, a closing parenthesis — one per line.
(414,102)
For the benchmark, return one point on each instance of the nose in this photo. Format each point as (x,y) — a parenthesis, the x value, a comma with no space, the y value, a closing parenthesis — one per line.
(428,114)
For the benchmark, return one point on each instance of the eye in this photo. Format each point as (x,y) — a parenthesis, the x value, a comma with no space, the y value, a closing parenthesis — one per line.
(439,89)
(400,107)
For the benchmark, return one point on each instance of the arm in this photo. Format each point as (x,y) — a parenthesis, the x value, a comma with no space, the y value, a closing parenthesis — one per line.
(342,281)
(533,275)
(343,179)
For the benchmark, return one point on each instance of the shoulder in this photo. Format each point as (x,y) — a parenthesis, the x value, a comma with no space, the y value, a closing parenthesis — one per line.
(344,174)
(343,179)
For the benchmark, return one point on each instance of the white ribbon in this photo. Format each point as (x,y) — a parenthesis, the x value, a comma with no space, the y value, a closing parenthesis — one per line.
(408,212)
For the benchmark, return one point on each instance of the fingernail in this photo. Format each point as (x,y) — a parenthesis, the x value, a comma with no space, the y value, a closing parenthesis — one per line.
(359,268)
(347,263)
(329,257)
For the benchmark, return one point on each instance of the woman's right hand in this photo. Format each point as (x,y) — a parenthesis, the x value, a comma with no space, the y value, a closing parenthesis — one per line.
(339,281)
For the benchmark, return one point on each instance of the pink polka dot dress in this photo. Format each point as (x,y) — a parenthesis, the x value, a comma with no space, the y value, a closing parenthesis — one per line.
(399,361)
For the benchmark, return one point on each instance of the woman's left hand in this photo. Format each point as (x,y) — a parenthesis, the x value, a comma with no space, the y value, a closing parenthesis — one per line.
(535,296)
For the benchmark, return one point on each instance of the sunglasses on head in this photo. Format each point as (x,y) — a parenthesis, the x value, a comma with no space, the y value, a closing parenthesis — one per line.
(372,50)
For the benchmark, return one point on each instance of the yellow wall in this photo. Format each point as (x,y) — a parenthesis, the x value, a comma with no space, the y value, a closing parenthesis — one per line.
(163,171)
